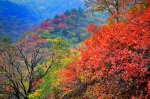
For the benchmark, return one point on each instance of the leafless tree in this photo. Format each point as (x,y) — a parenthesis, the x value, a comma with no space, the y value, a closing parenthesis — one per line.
(22,67)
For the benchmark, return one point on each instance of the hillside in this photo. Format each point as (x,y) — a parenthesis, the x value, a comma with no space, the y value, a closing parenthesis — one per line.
(77,54)
(71,26)
(15,19)
(18,16)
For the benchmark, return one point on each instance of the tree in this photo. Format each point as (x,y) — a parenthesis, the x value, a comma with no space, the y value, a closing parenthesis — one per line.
(81,11)
(50,84)
(67,12)
(115,62)
(22,67)
(116,8)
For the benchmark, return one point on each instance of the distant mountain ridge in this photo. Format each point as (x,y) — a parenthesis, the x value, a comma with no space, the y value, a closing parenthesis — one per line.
(12,9)
(49,8)
(66,17)
(17,16)
(15,19)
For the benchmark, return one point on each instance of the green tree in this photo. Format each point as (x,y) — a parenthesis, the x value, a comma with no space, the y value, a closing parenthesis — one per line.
(50,82)
(67,12)
(81,11)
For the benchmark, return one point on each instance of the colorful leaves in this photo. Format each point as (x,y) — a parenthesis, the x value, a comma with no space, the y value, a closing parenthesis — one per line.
(36,94)
(116,57)
(92,28)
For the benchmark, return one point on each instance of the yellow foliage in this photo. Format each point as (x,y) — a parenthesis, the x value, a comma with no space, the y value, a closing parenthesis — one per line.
(36,94)
(46,31)
(26,84)
(51,40)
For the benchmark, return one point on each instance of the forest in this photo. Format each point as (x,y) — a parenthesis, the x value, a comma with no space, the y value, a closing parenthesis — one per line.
(102,52)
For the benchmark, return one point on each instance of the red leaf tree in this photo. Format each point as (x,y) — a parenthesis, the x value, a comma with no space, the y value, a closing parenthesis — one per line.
(115,62)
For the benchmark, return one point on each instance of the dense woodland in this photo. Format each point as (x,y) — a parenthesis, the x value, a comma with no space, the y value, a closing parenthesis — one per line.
(70,26)
(17,16)
(78,55)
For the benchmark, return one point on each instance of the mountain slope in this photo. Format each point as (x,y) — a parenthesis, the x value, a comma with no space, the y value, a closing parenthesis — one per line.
(15,19)
(71,26)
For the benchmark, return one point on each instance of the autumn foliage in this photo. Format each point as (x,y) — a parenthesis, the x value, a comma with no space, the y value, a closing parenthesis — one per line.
(115,62)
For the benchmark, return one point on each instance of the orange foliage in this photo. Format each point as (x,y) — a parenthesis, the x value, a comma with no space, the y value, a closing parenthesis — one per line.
(117,56)
(92,28)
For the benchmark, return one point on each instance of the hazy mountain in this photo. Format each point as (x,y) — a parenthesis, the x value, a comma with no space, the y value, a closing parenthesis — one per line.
(15,19)
(49,8)
(18,16)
